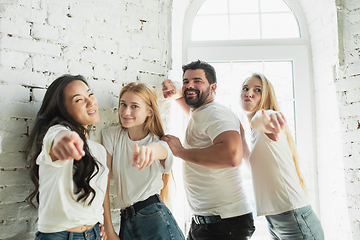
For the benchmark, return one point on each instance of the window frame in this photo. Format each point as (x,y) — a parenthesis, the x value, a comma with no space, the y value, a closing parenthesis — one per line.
(293,49)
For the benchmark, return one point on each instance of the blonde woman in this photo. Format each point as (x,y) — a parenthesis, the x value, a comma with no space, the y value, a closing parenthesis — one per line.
(141,164)
(279,188)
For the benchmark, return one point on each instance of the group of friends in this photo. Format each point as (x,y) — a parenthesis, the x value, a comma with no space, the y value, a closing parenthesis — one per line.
(72,173)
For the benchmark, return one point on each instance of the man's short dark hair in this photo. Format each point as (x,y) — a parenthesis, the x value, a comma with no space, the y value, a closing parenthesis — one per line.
(209,70)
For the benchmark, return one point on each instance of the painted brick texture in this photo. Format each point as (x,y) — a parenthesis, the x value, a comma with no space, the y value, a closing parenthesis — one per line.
(334,28)
(110,42)
(347,86)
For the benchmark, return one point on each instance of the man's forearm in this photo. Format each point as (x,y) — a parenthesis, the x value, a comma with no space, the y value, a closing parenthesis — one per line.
(216,157)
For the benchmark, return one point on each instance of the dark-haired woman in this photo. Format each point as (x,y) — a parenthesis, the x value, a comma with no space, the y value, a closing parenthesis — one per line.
(68,170)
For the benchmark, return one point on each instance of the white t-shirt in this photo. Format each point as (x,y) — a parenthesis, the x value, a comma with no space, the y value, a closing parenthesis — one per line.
(58,208)
(213,191)
(133,185)
(276,184)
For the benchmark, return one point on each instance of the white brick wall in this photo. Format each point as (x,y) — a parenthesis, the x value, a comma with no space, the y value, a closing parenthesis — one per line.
(347,83)
(114,42)
(109,42)
(334,34)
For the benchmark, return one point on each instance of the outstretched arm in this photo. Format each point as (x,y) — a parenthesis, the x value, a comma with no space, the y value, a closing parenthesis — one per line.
(171,91)
(269,121)
(144,156)
(226,151)
(67,145)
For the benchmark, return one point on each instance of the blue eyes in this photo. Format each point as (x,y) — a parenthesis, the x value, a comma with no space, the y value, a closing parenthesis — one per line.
(124,105)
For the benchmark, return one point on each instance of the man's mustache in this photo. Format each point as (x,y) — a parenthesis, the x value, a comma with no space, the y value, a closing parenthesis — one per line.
(192,90)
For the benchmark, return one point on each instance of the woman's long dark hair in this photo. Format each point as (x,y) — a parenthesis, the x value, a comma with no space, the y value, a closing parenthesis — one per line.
(52,112)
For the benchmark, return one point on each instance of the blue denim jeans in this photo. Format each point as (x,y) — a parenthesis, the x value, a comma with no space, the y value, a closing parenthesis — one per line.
(152,222)
(91,234)
(235,228)
(300,223)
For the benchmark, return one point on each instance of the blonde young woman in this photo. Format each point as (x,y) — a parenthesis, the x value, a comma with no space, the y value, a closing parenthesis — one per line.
(140,164)
(279,188)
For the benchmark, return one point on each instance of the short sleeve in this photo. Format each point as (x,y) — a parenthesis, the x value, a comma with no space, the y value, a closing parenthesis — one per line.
(221,120)
(108,138)
(169,160)
(44,157)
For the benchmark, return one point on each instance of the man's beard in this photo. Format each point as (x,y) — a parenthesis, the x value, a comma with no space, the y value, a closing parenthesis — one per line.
(195,102)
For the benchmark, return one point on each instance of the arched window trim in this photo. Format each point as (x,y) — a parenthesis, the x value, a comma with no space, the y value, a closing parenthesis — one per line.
(196,4)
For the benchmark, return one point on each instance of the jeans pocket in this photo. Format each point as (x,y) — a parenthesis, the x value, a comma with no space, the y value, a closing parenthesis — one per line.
(313,224)
(149,211)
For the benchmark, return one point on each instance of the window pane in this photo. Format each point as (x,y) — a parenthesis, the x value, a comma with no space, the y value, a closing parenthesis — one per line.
(243,70)
(281,76)
(274,6)
(213,7)
(245,26)
(224,79)
(279,25)
(210,28)
(243,6)
(231,75)
(212,20)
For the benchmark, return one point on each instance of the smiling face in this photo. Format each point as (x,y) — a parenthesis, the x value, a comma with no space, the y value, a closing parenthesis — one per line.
(133,111)
(80,103)
(251,95)
(196,89)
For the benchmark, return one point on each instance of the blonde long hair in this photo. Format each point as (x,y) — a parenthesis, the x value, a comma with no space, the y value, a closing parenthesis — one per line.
(152,124)
(269,101)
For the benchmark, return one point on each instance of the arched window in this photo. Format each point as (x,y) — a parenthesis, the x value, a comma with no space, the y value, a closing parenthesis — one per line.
(240,37)
(234,19)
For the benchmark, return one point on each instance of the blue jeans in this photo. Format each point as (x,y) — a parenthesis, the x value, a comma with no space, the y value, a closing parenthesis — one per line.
(235,228)
(300,223)
(153,222)
(91,234)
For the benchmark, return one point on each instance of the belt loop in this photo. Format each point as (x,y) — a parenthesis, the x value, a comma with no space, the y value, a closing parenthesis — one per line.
(158,197)
(70,236)
(132,211)
(196,219)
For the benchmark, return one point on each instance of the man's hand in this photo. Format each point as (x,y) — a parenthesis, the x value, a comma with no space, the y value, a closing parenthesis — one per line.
(67,145)
(174,144)
(170,91)
(275,122)
(142,157)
